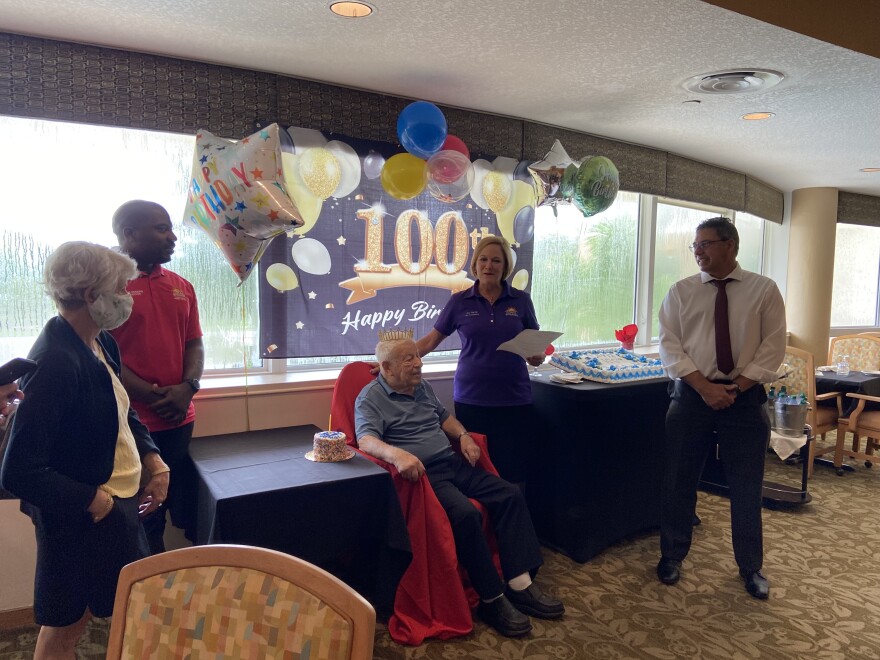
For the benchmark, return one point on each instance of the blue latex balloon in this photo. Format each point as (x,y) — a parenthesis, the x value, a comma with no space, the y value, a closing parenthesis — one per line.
(421,129)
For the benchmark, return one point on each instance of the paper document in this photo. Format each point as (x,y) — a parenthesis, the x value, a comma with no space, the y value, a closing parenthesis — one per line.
(530,342)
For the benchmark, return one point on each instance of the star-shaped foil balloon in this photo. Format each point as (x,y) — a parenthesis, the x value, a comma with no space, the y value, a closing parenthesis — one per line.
(237,195)
(591,184)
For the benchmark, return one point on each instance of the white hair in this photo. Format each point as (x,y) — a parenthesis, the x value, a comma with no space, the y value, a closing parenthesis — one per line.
(387,349)
(77,266)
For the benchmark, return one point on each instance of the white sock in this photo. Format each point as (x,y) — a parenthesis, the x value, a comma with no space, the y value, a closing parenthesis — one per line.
(520,582)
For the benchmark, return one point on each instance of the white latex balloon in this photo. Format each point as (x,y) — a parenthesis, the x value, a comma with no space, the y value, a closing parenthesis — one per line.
(373,164)
(520,280)
(311,256)
(512,259)
(281,277)
(350,165)
(481,169)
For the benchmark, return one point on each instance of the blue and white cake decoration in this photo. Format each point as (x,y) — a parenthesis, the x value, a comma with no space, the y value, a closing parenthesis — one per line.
(608,365)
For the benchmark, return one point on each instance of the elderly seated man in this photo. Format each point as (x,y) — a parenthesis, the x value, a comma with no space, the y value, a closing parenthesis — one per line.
(399,419)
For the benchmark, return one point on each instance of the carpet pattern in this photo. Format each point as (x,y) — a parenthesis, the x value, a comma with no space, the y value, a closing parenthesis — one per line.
(822,560)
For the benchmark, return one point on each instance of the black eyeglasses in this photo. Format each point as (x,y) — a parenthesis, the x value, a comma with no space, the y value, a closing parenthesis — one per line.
(702,245)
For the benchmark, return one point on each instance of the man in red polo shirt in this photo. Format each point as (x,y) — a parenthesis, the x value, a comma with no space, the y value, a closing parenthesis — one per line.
(162,354)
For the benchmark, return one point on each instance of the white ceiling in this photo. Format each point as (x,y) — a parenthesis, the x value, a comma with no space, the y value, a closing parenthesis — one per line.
(609,67)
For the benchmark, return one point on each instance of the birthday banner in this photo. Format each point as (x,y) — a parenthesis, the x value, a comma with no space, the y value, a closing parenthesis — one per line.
(364,259)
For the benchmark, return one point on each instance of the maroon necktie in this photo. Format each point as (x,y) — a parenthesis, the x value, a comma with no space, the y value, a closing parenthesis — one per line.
(722,328)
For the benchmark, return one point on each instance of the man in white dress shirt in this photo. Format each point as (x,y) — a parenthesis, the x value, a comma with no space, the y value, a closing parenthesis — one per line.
(717,370)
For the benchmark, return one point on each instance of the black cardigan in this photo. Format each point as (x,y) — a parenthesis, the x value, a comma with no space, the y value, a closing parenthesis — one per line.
(63,439)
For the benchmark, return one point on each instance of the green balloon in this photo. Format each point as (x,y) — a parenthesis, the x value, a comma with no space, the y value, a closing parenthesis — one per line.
(595,186)
(566,187)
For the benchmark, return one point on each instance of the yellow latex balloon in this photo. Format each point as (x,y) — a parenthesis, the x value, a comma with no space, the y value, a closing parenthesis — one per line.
(281,277)
(520,280)
(403,176)
(497,188)
(523,194)
(309,205)
(320,171)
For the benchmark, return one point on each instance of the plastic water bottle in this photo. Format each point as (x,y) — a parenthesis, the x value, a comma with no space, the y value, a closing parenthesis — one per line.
(771,406)
(843,366)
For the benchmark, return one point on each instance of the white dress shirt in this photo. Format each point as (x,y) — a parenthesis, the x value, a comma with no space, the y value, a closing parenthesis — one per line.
(756,315)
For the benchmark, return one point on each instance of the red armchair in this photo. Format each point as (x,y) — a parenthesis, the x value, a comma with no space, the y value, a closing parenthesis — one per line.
(427,603)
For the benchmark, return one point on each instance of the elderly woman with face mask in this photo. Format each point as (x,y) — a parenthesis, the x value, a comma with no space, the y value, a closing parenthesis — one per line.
(77,454)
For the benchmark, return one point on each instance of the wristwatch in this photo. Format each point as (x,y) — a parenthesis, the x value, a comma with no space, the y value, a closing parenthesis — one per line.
(194,384)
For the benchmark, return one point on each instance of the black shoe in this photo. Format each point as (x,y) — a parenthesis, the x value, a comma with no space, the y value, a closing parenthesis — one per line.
(504,617)
(669,570)
(535,602)
(756,584)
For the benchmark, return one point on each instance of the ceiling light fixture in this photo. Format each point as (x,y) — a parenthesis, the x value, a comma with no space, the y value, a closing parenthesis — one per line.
(351,9)
(870,169)
(758,116)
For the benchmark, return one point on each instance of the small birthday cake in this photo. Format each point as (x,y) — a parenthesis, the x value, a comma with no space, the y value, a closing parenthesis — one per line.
(329,447)
(608,365)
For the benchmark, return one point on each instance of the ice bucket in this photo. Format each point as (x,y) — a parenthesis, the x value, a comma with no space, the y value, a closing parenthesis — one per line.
(790,418)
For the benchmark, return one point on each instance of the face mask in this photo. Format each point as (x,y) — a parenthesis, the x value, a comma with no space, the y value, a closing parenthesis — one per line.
(110,310)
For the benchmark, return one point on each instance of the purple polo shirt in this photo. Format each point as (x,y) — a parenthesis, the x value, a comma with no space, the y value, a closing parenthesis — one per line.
(486,376)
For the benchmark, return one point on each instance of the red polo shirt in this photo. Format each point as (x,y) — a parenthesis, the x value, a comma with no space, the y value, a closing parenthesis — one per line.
(152,341)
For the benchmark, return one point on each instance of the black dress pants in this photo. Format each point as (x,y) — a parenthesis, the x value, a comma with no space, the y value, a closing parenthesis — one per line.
(173,446)
(742,432)
(454,481)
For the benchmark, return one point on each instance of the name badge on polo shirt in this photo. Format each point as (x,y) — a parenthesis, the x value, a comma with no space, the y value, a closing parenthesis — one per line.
(472,313)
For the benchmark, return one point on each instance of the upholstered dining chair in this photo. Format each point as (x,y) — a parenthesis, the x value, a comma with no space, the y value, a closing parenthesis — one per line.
(801,377)
(863,351)
(869,334)
(434,598)
(861,422)
(230,601)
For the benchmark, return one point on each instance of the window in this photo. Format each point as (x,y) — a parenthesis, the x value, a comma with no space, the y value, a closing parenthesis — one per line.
(588,276)
(68,180)
(856,268)
(675,228)
(585,270)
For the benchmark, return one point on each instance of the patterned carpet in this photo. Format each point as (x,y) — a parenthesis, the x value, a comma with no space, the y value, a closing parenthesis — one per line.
(823,563)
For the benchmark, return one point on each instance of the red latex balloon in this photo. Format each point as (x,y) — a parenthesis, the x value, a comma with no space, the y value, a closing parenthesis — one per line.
(550,350)
(453,143)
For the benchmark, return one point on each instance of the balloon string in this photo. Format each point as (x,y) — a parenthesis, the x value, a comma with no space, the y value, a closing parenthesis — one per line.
(244,351)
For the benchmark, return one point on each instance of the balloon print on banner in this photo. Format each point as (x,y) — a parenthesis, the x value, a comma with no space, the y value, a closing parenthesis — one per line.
(373,163)
(311,256)
(281,277)
(237,197)
(316,170)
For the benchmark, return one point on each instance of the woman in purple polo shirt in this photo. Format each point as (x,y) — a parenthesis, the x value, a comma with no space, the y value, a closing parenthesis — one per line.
(492,393)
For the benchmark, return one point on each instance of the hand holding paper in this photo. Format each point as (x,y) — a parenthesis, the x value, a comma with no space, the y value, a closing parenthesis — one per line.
(530,342)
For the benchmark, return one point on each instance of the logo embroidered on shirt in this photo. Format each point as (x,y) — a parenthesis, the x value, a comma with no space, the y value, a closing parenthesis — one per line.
(511,311)
(178,294)
(472,313)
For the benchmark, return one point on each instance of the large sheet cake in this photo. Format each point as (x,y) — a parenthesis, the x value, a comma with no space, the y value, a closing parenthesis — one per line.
(608,365)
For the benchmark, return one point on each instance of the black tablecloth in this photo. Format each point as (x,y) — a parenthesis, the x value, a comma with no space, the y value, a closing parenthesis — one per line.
(856,382)
(257,488)
(598,464)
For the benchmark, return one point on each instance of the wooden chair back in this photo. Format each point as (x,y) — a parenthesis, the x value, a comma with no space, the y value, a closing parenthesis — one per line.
(228,601)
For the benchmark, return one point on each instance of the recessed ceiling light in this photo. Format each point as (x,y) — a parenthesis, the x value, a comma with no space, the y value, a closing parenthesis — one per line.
(870,169)
(737,81)
(351,9)
(757,116)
